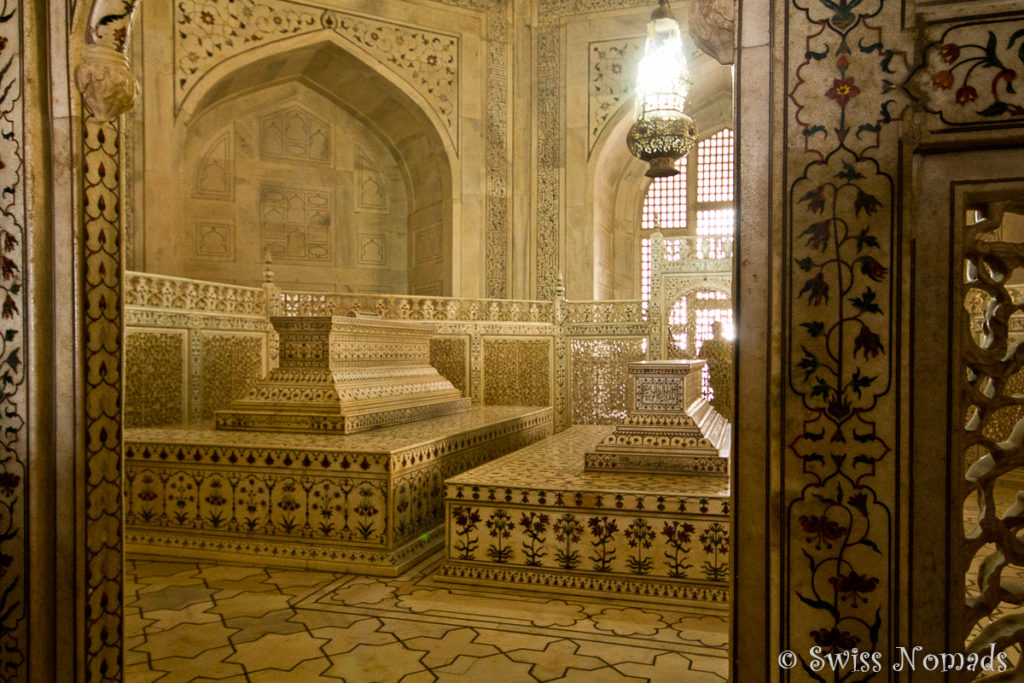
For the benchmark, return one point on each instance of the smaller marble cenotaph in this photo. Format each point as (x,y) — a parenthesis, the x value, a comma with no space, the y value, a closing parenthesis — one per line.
(669,427)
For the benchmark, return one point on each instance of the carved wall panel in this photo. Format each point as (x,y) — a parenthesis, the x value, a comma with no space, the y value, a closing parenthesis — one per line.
(295,134)
(156,377)
(227,362)
(598,372)
(297,223)
(450,355)
(210,31)
(517,372)
(427,245)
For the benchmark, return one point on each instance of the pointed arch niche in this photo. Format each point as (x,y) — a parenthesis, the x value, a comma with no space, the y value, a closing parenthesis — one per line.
(308,153)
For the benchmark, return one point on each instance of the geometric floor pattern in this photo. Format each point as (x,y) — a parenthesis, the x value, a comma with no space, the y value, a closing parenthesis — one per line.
(201,621)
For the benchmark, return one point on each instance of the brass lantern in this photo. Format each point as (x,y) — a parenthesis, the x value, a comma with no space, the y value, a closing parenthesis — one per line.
(661,131)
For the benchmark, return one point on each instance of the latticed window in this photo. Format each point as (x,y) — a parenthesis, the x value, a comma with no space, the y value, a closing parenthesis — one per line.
(696,204)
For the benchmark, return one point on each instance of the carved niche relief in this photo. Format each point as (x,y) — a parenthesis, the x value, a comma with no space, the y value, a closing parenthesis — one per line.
(215,174)
(296,223)
(371,186)
(295,134)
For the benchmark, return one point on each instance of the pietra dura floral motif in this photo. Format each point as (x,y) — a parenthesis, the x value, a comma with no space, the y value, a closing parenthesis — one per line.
(13,386)
(972,73)
(845,68)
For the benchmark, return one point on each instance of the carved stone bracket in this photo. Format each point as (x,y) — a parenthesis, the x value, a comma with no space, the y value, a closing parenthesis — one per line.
(712,27)
(105,79)
(104,75)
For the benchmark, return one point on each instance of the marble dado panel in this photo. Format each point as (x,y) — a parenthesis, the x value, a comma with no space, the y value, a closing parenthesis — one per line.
(156,377)
(840,441)
(371,503)
(517,372)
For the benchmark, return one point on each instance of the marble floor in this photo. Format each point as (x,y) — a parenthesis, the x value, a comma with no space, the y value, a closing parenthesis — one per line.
(200,621)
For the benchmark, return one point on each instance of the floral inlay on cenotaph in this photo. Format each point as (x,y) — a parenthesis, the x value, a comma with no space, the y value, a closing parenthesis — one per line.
(345,374)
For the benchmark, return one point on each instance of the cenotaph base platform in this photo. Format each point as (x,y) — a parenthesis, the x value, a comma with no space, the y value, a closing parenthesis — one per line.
(370,502)
(335,460)
(639,510)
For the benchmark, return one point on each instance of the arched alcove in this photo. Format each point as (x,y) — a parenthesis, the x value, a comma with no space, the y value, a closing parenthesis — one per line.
(616,184)
(359,198)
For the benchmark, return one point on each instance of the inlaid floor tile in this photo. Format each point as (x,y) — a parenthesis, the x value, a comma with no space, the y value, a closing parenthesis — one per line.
(605,675)
(443,651)
(131,655)
(288,577)
(339,640)
(229,572)
(617,654)
(249,624)
(275,651)
(209,664)
(173,597)
(511,640)
(670,667)
(185,640)
(315,619)
(227,588)
(149,568)
(376,663)
(141,673)
(629,621)
(250,604)
(309,671)
(251,628)
(196,613)
(365,592)
(405,629)
(555,660)
(493,668)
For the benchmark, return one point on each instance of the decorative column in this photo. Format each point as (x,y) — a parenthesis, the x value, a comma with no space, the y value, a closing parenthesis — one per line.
(108,90)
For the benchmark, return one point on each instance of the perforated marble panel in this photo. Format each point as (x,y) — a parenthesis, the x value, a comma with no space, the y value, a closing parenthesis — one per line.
(517,372)
(155,377)
(228,363)
(598,378)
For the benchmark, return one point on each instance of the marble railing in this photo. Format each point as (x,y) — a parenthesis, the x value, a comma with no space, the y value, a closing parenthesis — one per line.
(409,307)
(193,346)
(145,290)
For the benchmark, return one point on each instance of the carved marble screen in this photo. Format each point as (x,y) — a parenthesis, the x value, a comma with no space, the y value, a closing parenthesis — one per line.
(992,415)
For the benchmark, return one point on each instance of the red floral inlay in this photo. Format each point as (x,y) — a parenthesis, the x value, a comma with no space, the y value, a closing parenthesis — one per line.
(842,91)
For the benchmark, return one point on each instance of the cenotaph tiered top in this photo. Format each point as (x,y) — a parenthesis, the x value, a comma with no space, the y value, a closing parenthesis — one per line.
(345,374)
